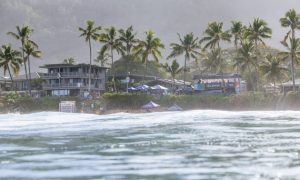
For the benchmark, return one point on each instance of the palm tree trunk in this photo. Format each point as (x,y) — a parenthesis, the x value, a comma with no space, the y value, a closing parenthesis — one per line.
(292,61)
(27,80)
(25,66)
(256,72)
(127,62)
(185,58)
(145,71)
(112,68)
(29,73)
(12,82)
(251,81)
(293,72)
(90,67)
(238,65)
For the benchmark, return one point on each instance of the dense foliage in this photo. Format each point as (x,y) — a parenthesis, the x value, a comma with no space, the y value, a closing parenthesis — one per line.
(13,102)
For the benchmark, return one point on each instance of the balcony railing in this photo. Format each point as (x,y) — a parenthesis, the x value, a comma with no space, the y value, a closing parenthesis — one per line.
(68,86)
(69,74)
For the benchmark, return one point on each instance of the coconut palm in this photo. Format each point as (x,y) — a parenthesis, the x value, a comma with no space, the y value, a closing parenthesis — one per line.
(247,58)
(102,58)
(91,32)
(273,70)
(213,61)
(10,60)
(291,20)
(69,60)
(23,34)
(173,70)
(257,32)
(214,34)
(30,50)
(236,30)
(111,43)
(188,47)
(293,50)
(151,46)
(128,40)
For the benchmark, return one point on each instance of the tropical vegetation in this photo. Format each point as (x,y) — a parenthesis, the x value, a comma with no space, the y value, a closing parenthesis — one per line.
(241,48)
(10,60)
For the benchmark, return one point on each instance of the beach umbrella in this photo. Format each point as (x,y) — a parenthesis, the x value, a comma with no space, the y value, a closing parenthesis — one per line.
(150,105)
(175,107)
(132,89)
(142,87)
(159,87)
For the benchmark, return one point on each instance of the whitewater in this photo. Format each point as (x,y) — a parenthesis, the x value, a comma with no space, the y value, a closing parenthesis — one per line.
(199,144)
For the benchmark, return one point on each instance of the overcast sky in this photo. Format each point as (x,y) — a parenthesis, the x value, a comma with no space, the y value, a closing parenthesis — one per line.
(56,22)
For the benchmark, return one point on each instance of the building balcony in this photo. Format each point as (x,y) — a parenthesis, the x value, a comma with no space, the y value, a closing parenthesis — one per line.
(70,75)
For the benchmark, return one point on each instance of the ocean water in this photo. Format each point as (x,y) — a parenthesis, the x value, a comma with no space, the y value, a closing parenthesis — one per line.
(202,144)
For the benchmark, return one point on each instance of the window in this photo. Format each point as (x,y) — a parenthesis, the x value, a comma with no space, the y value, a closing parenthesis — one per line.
(62,92)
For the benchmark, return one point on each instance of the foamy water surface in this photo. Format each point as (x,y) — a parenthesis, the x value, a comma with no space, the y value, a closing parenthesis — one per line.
(201,144)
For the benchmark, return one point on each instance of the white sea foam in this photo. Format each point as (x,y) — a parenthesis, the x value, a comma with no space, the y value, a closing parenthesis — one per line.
(199,144)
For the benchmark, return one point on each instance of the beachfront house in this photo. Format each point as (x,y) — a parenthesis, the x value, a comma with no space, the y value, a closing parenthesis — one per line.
(73,79)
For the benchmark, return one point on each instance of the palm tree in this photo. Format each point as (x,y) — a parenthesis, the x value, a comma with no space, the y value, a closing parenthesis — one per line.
(30,50)
(236,30)
(128,41)
(69,60)
(291,20)
(111,43)
(151,46)
(214,34)
(91,32)
(103,59)
(273,70)
(213,61)
(23,34)
(188,47)
(247,58)
(174,69)
(10,60)
(293,52)
(257,32)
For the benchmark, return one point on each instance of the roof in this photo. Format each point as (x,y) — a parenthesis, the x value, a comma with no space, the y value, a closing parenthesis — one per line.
(170,81)
(290,83)
(70,65)
(217,76)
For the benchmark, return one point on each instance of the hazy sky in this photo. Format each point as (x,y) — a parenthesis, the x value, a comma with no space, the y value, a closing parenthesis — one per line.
(56,22)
